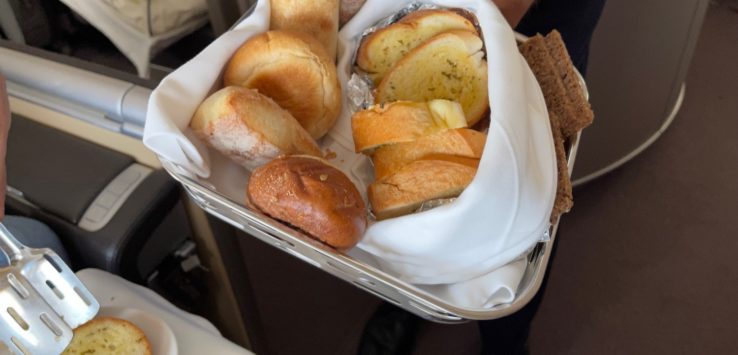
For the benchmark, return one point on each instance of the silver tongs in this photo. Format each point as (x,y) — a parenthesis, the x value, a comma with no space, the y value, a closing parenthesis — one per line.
(41,300)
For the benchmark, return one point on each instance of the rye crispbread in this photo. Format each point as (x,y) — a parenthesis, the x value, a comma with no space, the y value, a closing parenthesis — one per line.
(569,111)
(583,112)
(564,196)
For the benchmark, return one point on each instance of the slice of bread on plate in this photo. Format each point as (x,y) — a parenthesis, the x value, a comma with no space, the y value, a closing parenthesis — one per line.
(403,121)
(382,49)
(249,127)
(422,180)
(448,66)
(107,335)
(460,142)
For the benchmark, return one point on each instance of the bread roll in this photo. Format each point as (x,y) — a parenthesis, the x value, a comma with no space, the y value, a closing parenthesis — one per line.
(295,71)
(422,180)
(108,336)
(403,121)
(318,18)
(448,66)
(311,195)
(382,49)
(249,127)
(461,142)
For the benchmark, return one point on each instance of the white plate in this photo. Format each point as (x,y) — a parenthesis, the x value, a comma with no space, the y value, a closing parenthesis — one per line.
(156,330)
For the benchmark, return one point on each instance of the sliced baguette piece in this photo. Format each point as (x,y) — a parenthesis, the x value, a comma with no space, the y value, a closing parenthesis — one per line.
(382,49)
(460,142)
(318,18)
(107,335)
(448,66)
(403,121)
(583,115)
(295,71)
(422,180)
(471,162)
(249,127)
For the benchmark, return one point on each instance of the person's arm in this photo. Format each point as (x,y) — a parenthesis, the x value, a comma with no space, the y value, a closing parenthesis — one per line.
(513,10)
(4,128)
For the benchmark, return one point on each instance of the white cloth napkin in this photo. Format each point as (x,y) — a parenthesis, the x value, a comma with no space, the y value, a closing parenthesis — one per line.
(458,250)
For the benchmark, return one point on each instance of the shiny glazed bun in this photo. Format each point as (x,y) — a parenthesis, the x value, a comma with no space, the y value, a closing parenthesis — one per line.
(312,195)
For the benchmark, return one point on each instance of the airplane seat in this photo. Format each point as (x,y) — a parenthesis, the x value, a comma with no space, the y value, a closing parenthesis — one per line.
(33,234)
(140,29)
(109,211)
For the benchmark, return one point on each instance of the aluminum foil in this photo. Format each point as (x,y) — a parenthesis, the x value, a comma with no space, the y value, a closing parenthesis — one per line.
(360,88)
(431,204)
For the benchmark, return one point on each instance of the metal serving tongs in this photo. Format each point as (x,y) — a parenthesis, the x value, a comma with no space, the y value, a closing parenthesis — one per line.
(41,300)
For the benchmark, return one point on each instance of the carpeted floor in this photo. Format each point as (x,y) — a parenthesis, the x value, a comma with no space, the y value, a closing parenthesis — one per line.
(646,261)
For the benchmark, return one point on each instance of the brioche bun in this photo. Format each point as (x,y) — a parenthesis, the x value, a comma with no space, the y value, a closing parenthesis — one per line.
(311,195)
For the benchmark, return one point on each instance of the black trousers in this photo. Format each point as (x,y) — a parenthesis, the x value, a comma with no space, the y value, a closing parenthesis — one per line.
(575,19)
(509,335)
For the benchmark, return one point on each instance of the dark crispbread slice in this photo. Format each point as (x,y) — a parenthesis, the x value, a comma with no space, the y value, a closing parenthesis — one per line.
(568,109)
(536,54)
(564,196)
(583,116)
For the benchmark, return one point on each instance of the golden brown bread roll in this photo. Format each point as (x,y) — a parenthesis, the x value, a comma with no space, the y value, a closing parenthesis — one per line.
(311,195)
(249,127)
(295,71)
(318,18)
